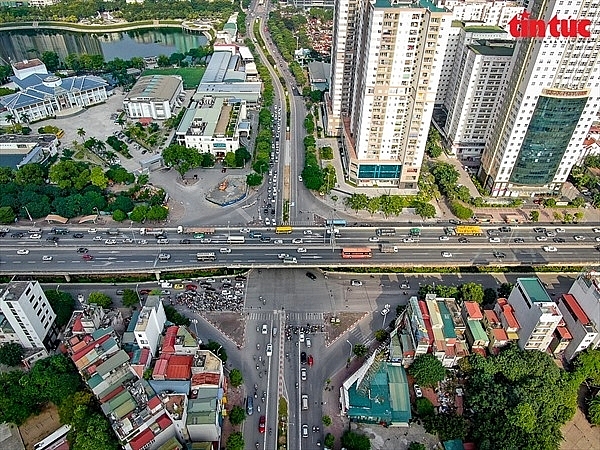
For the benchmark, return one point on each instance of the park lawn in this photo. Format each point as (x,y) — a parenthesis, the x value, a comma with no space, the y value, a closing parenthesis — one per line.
(191,75)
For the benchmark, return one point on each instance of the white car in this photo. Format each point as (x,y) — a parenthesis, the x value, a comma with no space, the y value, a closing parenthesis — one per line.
(267,221)
(446,255)
(408,240)
(23,251)
(596,230)
(297,241)
(579,237)
(264,330)
(277,241)
(35,236)
(269,349)
(308,342)
(418,391)
(245,230)
(224,250)
(143,242)
(560,230)
(92,230)
(355,282)
(301,250)
(46,258)
(300,178)
(444,238)
(301,337)
(97,238)
(494,240)
(303,374)
(550,249)
(110,242)
(307,232)
(541,238)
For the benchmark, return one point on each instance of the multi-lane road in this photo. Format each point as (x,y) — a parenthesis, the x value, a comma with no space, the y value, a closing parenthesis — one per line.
(129,254)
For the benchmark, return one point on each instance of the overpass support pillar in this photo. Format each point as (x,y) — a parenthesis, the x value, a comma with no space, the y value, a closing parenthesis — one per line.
(68,278)
(157,275)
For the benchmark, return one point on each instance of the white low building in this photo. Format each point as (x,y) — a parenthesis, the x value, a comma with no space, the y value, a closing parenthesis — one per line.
(154,97)
(213,126)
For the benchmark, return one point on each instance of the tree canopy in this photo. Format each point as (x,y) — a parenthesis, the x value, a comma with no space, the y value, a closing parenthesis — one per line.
(11,354)
(63,305)
(427,370)
(181,158)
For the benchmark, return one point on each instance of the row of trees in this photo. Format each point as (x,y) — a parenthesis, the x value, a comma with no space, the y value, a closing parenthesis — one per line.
(390,205)
(78,188)
(472,292)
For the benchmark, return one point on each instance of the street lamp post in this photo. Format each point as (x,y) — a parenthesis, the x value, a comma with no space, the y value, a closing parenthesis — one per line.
(195,322)
(351,347)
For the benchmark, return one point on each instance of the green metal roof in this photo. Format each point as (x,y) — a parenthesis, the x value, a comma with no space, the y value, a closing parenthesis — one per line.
(534,289)
(484,29)
(477,330)
(427,4)
(492,50)
(388,398)
(449,332)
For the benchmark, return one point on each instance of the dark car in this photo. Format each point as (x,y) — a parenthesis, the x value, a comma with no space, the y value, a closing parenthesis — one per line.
(191,287)
(539,230)
(145,291)
(519,240)
(500,255)
(78,235)
(265,239)
(184,241)
(53,238)
(310,360)
(261,424)
(303,358)
(120,291)
(82,250)
(463,240)
(505,229)
(17,235)
(558,240)
(311,275)
(87,257)
(455,222)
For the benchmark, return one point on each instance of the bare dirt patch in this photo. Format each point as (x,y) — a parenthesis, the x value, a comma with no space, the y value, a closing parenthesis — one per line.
(232,325)
(346,321)
(38,427)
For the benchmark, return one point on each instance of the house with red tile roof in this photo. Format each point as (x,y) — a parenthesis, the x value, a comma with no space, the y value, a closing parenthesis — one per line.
(582,329)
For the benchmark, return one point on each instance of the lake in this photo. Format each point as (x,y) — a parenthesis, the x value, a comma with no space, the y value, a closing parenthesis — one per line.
(21,44)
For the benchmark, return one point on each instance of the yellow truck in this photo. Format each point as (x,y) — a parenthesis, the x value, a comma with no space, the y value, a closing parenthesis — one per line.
(469,230)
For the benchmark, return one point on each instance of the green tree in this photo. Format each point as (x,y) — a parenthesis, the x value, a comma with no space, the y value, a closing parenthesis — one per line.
(98,178)
(425,210)
(505,289)
(242,156)
(427,370)
(207,160)
(130,298)
(357,202)
(119,216)
(460,211)
(489,296)
(329,440)
(7,174)
(123,203)
(175,317)
(81,133)
(181,158)
(254,179)
(229,159)
(237,415)
(534,215)
(139,213)
(360,350)
(326,420)
(417,446)
(235,378)
(157,212)
(424,407)
(587,366)
(355,441)
(63,305)
(550,203)
(381,335)
(11,354)
(594,410)
(446,426)
(472,292)
(235,441)
(99,298)
(68,173)
(217,349)
(30,174)
(16,403)
(7,215)
(51,60)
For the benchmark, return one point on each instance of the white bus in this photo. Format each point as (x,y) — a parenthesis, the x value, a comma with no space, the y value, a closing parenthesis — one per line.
(206,256)
(236,239)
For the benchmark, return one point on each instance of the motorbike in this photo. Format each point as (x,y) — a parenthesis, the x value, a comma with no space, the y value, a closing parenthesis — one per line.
(257,346)
(258,408)
(257,368)
(270,431)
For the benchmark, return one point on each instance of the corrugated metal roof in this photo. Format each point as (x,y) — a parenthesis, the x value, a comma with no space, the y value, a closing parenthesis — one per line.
(573,305)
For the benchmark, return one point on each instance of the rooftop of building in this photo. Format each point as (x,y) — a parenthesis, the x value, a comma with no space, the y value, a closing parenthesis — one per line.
(534,289)
(27,64)
(490,49)
(425,4)
(155,87)
(39,139)
(13,290)
(482,28)
(576,309)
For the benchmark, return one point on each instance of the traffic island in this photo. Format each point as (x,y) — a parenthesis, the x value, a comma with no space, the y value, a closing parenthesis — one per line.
(230,190)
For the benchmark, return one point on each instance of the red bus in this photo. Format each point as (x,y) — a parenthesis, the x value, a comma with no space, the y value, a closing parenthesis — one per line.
(356,252)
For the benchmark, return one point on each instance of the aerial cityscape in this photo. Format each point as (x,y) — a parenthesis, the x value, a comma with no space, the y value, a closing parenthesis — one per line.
(302,225)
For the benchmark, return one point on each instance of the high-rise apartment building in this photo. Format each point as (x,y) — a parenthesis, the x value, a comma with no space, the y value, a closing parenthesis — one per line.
(552,97)
(28,312)
(386,62)
(475,90)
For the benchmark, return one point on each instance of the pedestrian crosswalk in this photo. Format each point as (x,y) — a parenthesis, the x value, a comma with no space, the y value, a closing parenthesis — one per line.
(356,336)
(291,318)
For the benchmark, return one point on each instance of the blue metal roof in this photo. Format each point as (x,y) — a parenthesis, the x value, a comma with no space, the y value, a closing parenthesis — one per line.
(33,90)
